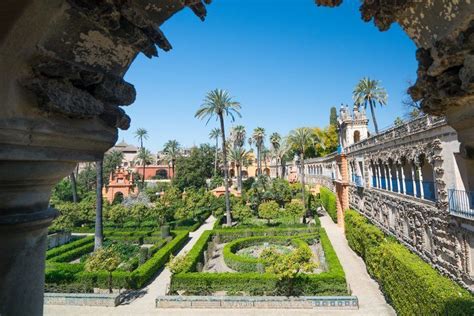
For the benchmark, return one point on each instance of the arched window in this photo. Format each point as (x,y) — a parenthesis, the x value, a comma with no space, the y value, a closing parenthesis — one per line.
(356,136)
(161,174)
(118,198)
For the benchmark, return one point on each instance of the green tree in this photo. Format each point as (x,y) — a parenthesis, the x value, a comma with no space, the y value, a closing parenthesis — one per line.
(242,212)
(275,140)
(289,267)
(215,134)
(218,103)
(238,136)
(369,92)
(259,139)
(333,116)
(295,210)
(118,214)
(239,156)
(301,138)
(142,134)
(171,150)
(280,154)
(104,259)
(280,191)
(112,160)
(268,210)
(192,171)
(138,212)
(144,157)
(178,264)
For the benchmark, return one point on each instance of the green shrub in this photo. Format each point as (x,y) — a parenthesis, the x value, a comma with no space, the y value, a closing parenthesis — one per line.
(412,286)
(67,247)
(328,200)
(74,253)
(268,210)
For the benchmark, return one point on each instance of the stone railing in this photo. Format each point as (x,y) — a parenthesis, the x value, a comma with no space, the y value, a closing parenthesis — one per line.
(420,124)
(236,302)
(82,299)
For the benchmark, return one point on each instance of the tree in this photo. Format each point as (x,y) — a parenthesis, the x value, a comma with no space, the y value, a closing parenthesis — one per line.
(259,139)
(280,191)
(172,150)
(279,154)
(112,160)
(398,121)
(242,212)
(301,138)
(238,136)
(215,134)
(239,156)
(218,103)
(192,171)
(289,267)
(178,264)
(99,232)
(142,134)
(268,210)
(370,92)
(275,140)
(333,116)
(118,214)
(144,158)
(295,210)
(104,259)
(72,176)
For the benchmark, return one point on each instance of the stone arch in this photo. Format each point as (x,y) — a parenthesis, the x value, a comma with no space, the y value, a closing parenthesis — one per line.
(356,136)
(118,197)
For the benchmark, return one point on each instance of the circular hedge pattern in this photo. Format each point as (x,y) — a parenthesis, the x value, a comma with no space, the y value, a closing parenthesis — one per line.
(245,264)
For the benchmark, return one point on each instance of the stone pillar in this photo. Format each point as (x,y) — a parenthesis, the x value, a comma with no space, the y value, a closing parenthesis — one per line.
(403,179)
(342,189)
(413,178)
(397,166)
(379,175)
(389,177)
(420,178)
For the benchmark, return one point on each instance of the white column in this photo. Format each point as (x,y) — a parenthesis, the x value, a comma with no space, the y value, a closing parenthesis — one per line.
(403,179)
(389,177)
(420,176)
(413,177)
(379,175)
(397,176)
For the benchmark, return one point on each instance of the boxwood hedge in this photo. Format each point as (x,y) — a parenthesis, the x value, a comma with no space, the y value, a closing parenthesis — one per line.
(331,282)
(412,286)
(328,200)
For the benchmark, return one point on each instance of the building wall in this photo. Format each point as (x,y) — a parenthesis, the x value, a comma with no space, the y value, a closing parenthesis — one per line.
(151,171)
(427,150)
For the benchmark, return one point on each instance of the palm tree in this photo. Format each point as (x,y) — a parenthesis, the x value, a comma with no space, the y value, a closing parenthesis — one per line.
(259,138)
(172,150)
(301,138)
(144,157)
(72,176)
(370,92)
(239,156)
(218,103)
(238,135)
(142,134)
(99,232)
(280,153)
(215,134)
(265,153)
(275,140)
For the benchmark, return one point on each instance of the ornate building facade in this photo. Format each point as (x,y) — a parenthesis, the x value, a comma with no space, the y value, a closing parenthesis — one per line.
(411,181)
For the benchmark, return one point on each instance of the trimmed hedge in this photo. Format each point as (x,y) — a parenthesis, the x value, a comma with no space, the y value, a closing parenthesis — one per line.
(67,247)
(74,253)
(328,200)
(245,264)
(331,282)
(229,234)
(412,286)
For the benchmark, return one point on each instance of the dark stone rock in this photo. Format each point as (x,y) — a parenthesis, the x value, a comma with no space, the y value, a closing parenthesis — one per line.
(114,90)
(114,116)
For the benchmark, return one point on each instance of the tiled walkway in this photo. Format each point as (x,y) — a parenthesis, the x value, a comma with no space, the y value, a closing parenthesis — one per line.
(371,299)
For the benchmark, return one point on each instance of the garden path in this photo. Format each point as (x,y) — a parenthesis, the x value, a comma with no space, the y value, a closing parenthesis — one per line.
(371,299)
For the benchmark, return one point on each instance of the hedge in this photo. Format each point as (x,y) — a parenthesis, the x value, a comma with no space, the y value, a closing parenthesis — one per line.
(245,264)
(229,234)
(331,282)
(411,285)
(59,274)
(328,200)
(67,247)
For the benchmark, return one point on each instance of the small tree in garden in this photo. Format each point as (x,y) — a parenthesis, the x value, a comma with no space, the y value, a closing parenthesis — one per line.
(139,212)
(118,214)
(103,259)
(268,210)
(161,213)
(295,210)
(177,264)
(289,267)
(242,212)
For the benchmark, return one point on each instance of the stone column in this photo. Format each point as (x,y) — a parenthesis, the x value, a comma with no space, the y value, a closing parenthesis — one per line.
(397,176)
(413,177)
(403,179)
(379,175)
(389,177)
(420,178)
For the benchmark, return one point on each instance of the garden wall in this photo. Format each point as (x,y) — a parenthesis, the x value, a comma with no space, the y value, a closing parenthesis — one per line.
(328,200)
(411,285)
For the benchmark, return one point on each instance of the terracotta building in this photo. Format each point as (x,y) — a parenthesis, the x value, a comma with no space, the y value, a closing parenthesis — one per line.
(120,185)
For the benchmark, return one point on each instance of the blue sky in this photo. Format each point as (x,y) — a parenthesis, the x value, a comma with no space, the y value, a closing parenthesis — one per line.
(286,64)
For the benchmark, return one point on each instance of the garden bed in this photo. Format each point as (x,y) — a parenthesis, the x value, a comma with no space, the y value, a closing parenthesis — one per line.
(64,276)
(249,276)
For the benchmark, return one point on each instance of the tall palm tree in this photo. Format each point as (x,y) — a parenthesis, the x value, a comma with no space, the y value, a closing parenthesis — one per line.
(99,231)
(238,135)
(142,134)
(239,156)
(144,158)
(279,154)
(370,92)
(275,140)
(259,138)
(215,133)
(171,149)
(301,138)
(218,103)
(265,153)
